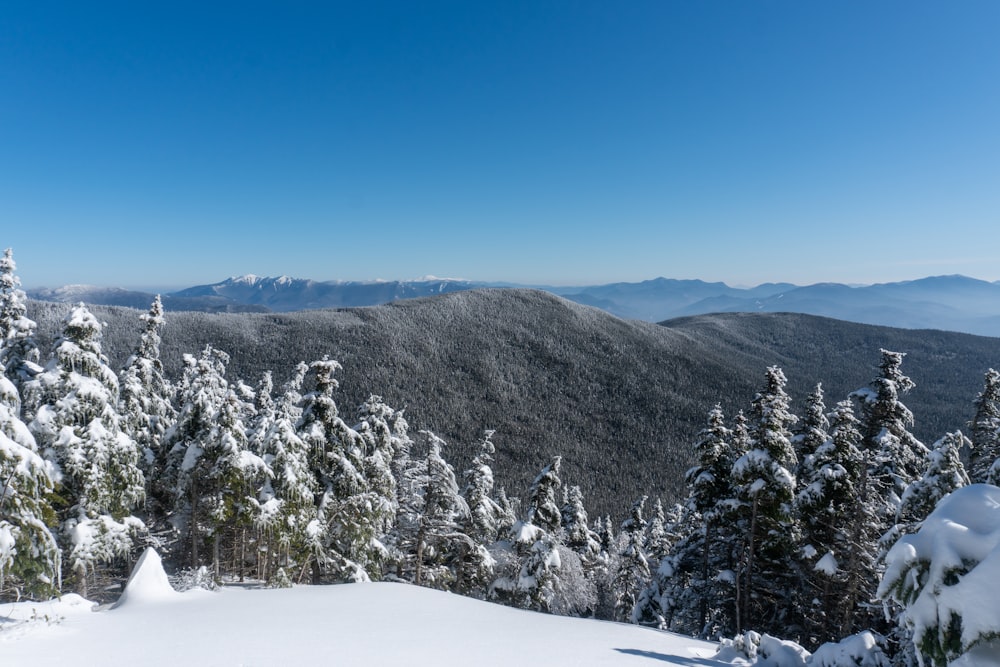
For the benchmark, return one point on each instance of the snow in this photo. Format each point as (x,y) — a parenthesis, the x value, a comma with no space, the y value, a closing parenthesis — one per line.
(148,582)
(953,565)
(827,564)
(343,625)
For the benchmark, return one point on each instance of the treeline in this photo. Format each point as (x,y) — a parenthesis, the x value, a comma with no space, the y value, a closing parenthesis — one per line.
(788,519)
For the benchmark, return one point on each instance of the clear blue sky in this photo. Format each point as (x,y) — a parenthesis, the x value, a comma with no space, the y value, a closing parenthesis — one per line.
(176,143)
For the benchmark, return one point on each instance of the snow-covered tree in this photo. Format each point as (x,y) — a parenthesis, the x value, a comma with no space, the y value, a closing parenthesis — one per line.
(945,575)
(78,428)
(577,533)
(29,554)
(529,571)
(633,568)
(349,520)
(18,352)
(811,431)
(897,455)
(985,429)
(145,400)
(446,557)
(944,473)
(485,513)
(697,582)
(766,488)
(202,391)
(829,504)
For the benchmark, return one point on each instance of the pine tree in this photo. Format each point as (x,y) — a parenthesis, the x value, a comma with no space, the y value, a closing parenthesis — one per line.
(766,488)
(985,429)
(145,401)
(693,576)
(202,391)
(828,506)
(29,554)
(485,513)
(344,536)
(78,428)
(633,568)
(897,455)
(944,473)
(811,432)
(529,575)
(576,529)
(19,354)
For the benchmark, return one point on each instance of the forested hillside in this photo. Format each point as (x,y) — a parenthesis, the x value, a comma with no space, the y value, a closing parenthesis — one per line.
(621,401)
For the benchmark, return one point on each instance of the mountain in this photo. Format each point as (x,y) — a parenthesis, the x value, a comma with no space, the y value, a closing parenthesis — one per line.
(114,296)
(950,303)
(284,294)
(621,400)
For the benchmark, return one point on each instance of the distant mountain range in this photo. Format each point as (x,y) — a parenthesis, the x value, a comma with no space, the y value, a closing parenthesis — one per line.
(950,303)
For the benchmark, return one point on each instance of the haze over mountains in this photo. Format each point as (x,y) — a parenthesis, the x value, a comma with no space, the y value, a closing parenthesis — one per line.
(950,303)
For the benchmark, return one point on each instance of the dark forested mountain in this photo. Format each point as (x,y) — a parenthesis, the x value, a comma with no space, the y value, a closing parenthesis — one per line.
(950,303)
(620,400)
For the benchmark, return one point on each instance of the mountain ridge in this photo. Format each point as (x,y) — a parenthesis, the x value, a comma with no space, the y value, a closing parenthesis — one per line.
(950,303)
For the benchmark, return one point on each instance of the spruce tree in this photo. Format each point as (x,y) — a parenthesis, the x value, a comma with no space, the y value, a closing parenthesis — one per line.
(698,582)
(29,554)
(827,503)
(985,429)
(201,393)
(766,490)
(897,456)
(146,394)
(344,536)
(78,428)
(529,573)
(633,568)
(943,474)
(485,513)
(19,354)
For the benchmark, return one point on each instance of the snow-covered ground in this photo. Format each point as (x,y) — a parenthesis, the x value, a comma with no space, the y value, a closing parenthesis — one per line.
(353,624)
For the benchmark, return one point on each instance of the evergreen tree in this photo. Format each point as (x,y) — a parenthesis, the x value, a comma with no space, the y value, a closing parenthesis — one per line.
(29,555)
(633,568)
(202,391)
(485,513)
(828,506)
(145,401)
(349,517)
(577,534)
(285,508)
(897,455)
(944,473)
(78,428)
(18,352)
(766,488)
(697,583)
(985,429)
(811,431)
(529,575)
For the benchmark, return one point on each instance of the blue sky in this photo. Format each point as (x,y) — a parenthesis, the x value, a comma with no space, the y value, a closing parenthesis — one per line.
(171,144)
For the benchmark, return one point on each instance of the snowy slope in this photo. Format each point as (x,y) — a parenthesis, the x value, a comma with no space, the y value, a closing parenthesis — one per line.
(355,624)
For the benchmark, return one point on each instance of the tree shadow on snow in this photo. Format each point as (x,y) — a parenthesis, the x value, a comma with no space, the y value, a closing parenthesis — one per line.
(672,659)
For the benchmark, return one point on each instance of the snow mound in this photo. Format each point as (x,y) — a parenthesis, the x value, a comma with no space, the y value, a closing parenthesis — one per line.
(147,583)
